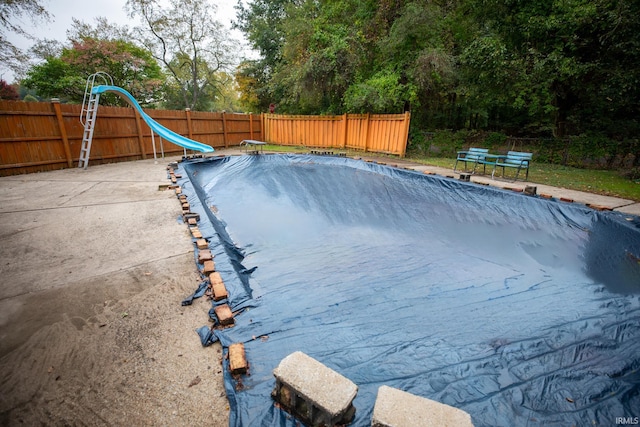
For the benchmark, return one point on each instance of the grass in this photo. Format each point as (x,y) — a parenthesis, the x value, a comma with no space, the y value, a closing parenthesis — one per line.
(605,182)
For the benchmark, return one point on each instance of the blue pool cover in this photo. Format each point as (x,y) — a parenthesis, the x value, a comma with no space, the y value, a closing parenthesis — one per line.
(516,309)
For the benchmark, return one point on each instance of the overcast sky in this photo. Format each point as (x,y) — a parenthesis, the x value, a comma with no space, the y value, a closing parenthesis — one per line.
(86,10)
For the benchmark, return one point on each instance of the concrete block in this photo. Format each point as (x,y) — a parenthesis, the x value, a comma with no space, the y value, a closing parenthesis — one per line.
(397,408)
(219,291)
(215,278)
(178,191)
(599,207)
(313,392)
(208,267)
(195,232)
(237,359)
(188,215)
(218,287)
(204,255)
(202,244)
(224,314)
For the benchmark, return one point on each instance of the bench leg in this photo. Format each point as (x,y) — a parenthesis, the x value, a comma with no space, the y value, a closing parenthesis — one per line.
(455,167)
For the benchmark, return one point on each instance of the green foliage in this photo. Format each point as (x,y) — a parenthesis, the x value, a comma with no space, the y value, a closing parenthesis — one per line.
(550,68)
(55,78)
(381,93)
(495,139)
(64,76)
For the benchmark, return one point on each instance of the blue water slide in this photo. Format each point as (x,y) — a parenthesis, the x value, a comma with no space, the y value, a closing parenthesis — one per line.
(156,127)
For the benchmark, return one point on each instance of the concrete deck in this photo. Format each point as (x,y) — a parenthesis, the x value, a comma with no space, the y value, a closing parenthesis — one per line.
(93,266)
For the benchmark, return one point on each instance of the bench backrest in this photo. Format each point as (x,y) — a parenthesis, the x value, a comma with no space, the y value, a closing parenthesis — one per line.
(474,153)
(518,158)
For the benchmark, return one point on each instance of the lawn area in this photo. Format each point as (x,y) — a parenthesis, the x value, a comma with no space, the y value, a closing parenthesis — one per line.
(605,182)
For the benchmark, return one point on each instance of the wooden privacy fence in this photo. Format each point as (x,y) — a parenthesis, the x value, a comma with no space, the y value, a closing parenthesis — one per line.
(41,136)
(381,133)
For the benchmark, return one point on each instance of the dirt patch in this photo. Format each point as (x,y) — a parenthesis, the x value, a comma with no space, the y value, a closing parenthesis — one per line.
(117,361)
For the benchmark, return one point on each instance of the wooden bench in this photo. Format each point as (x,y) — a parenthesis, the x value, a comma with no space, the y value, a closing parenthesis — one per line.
(513,159)
(473,155)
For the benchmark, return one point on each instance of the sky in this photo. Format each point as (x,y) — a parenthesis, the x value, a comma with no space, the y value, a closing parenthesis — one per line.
(86,10)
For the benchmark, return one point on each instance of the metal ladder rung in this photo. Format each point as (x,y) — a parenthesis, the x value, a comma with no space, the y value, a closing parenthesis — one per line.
(92,107)
(90,104)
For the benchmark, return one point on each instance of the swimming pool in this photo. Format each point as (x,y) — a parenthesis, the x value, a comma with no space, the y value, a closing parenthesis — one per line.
(513,308)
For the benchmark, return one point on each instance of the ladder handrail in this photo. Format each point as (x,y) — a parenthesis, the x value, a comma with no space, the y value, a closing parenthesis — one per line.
(84,111)
(88,115)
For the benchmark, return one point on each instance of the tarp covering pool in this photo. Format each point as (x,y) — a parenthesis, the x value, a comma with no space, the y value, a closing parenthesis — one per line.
(516,309)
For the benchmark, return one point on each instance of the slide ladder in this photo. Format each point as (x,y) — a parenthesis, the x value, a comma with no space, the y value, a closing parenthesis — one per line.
(88,114)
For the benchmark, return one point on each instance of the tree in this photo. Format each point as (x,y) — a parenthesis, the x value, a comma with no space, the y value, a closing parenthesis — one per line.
(64,76)
(8,92)
(189,43)
(535,68)
(11,11)
(555,60)
(310,52)
(214,97)
(247,79)
(264,23)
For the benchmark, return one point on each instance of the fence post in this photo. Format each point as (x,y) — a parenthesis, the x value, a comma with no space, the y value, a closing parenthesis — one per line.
(407,119)
(224,130)
(63,131)
(344,130)
(251,126)
(366,132)
(140,135)
(187,112)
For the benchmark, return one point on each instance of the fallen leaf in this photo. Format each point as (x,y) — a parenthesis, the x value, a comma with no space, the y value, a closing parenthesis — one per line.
(195,381)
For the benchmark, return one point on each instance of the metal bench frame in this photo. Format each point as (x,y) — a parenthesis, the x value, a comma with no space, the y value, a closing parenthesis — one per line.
(513,159)
(473,155)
